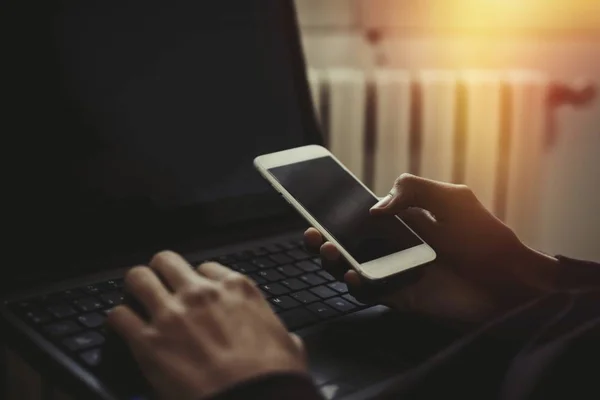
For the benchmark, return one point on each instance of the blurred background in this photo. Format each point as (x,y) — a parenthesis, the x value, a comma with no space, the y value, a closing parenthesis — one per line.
(498,94)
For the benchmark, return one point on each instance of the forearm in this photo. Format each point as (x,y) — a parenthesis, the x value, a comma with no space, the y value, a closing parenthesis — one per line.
(539,271)
(545,274)
(577,274)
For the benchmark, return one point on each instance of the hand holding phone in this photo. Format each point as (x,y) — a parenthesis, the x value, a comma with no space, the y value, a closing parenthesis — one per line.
(482,267)
(334,201)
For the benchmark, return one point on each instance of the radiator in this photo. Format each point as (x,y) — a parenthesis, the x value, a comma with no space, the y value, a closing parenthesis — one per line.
(487,129)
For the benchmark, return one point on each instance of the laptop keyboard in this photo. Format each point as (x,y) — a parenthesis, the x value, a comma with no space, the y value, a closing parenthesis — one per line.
(299,291)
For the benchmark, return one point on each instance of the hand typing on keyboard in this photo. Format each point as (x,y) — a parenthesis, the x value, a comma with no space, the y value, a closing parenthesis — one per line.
(482,266)
(207,329)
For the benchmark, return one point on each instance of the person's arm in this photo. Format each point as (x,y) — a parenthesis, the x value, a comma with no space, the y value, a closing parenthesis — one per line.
(544,349)
(577,274)
(482,268)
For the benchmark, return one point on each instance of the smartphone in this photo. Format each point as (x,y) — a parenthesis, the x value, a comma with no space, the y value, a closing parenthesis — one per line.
(335,202)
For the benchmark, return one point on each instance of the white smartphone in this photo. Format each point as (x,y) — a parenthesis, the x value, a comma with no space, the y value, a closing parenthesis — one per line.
(335,202)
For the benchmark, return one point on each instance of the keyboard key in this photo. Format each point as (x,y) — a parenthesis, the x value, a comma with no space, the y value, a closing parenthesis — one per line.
(49,299)
(61,328)
(294,284)
(270,275)
(317,261)
(106,286)
(72,294)
(61,310)
(92,357)
(322,310)
(112,298)
(276,289)
(265,294)
(289,245)
(340,304)
(38,316)
(243,267)
(323,292)
(91,289)
(353,299)
(281,258)
(259,252)
(307,266)
(339,287)
(83,340)
(242,255)
(297,318)
(22,306)
(91,320)
(88,304)
(284,302)
(298,254)
(289,270)
(305,297)
(276,309)
(326,275)
(259,280)
(263,263)
(273,248)
(312,279)
(225,259)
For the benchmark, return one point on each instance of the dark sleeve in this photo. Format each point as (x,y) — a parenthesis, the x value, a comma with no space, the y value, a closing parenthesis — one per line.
(273,387)
(577,274)
(548,348)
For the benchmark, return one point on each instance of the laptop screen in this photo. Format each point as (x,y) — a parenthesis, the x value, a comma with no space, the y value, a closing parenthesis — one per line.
(141,118)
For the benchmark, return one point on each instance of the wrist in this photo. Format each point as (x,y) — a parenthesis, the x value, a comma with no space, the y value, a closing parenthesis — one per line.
(538,271)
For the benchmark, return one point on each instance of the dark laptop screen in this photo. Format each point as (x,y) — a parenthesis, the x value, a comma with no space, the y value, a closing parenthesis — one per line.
(131,112)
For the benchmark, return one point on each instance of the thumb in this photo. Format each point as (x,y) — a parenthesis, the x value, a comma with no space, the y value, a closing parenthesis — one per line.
(413,191)
(385,202)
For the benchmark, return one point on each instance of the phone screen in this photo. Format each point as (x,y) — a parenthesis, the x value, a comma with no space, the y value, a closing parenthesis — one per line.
(341,205)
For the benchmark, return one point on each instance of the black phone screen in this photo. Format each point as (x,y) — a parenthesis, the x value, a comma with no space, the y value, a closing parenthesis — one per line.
(341,205)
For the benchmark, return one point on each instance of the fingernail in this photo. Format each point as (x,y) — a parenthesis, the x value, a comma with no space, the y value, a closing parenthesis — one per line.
(383,202)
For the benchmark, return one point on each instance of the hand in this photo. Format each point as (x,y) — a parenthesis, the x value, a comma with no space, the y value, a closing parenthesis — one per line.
(206,331)
(482,267)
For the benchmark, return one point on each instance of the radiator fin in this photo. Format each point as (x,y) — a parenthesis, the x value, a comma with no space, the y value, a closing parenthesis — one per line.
(482,145)
(392,143)
(438,124)
(347,96)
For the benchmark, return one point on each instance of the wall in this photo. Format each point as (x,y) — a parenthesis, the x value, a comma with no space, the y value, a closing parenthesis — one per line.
(561,38)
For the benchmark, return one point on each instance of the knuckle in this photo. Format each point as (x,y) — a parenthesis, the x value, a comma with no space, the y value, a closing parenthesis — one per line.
(151,337)
(170,315)
(239,282)
(199,294)
(465,192)
(405,179)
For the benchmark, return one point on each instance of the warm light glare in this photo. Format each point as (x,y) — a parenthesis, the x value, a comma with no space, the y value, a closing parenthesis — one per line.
(516,14)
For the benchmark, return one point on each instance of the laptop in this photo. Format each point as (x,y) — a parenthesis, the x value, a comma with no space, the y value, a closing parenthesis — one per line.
(138,124)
